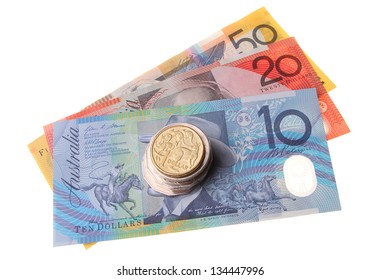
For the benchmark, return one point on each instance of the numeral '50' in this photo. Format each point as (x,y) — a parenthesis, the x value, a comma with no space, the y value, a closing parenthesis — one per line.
(255,37)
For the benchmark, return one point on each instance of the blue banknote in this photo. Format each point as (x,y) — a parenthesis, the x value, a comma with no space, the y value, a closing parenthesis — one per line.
(270,160)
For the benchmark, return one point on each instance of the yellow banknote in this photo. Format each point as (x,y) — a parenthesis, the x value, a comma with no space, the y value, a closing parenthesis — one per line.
(239,39)
(40,152)
(244,37)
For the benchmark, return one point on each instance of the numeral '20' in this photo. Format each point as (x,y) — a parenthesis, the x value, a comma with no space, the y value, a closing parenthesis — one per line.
(276,64)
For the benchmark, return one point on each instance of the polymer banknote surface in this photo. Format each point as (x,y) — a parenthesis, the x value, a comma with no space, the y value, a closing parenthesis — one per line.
(280,66)
(250,34)
(270,160)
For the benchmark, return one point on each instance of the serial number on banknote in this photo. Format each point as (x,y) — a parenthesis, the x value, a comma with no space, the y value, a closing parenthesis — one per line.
(238,270)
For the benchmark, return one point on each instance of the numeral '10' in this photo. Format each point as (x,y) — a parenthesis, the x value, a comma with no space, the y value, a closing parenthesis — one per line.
(276,129)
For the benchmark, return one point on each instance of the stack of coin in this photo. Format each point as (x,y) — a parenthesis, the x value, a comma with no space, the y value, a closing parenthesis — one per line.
(177,159)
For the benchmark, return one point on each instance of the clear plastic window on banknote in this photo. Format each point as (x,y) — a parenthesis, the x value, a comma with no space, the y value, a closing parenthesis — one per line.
(251,57)
(270,160)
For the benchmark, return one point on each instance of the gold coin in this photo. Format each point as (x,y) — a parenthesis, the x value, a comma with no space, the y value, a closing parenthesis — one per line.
(178,150)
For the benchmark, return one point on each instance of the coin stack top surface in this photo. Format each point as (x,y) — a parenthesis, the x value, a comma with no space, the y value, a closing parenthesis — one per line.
(177,151)
(177,159)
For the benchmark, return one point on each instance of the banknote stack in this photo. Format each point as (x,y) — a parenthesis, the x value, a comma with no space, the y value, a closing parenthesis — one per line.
(232,130)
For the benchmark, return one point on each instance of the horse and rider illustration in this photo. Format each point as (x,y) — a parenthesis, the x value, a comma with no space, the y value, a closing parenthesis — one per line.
(254,194)
(116,192)
(261,193)
(233,196)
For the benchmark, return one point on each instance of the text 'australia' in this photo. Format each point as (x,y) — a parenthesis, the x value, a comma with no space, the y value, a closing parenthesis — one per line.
(73,160)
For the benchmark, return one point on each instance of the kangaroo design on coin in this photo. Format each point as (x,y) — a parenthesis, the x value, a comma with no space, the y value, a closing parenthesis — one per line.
(177,151)
(177,159)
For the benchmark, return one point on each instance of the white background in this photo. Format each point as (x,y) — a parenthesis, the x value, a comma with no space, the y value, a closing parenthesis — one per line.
(57,57)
